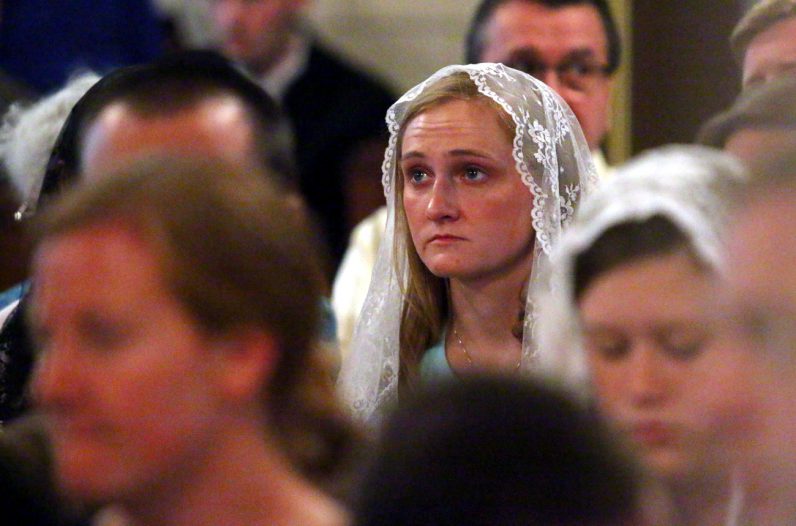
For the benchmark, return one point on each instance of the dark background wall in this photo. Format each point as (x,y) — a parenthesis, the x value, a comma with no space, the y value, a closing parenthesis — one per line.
(682,68)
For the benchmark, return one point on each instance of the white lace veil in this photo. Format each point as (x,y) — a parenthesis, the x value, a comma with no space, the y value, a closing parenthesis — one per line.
(689,185)
(554,162)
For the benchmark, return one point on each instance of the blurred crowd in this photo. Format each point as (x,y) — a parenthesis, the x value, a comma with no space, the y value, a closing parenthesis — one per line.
(246,283)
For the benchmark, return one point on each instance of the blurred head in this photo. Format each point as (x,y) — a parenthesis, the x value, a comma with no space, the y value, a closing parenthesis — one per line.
(256,32)
(501,452)
(646,327)
(185,319)
(760,123)
(763,306)
(571,45)
(764,41)
(182,104)
(645,261)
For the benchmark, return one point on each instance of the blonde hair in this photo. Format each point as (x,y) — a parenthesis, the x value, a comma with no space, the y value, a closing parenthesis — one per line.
(425,308)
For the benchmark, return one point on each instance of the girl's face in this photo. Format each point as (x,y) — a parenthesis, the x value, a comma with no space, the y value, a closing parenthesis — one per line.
(468,212)
(658,371)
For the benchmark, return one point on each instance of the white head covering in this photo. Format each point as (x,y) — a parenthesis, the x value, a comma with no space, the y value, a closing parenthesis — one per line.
(689,185)
(554,162)
(28,134)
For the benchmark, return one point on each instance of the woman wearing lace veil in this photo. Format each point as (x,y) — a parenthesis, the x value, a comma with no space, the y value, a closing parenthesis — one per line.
(484,167)
(631,326)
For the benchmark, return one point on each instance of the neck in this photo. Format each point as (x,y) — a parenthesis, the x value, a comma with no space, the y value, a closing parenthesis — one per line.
(772,502)
(272,64)
(710,501)
(244,481)
(483,314)
(263,67)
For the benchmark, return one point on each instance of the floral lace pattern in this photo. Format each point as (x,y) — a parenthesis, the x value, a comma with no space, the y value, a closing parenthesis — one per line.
(552,159)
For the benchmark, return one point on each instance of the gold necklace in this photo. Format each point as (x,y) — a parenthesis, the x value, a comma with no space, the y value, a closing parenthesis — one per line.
(467,353)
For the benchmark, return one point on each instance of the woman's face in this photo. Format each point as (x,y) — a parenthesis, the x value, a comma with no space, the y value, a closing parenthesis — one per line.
(468,212)
(659,373)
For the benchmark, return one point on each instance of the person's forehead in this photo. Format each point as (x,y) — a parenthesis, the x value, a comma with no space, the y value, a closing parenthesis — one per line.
(761,253)
(112,248)
(457,118)
(756,143)
(761,240)
(222,107)
(521,23)
(218,126)
(771,51)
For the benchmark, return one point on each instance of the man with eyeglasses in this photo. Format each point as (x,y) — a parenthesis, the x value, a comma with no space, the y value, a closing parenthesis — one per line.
(571,45)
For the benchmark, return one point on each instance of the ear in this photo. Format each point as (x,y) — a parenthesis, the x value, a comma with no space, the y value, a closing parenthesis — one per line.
(245,361)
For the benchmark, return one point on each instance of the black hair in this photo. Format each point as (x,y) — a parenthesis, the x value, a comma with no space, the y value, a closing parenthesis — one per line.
(499,451)
(167,85)
(474,44)
(625,243)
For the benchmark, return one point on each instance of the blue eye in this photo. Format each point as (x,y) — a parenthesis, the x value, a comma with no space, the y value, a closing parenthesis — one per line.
(474,174)
(416,176)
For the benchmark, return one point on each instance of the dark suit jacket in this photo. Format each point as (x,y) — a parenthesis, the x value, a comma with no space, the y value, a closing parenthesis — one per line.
(333,108)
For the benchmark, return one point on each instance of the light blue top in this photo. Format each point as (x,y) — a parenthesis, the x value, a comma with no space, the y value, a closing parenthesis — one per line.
(434,366)
(13,294)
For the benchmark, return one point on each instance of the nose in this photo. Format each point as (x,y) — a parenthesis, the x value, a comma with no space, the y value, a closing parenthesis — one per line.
(443,204)
(646,376)
(550,77)
(55,378)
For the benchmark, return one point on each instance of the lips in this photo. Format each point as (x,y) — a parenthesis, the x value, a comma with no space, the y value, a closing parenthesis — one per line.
(653,433)
(443,239)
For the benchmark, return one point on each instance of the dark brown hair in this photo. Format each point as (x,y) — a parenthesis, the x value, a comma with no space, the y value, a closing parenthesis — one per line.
(626,243)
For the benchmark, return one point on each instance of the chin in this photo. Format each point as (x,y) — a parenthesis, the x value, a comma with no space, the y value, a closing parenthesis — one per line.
(86,486)
(85,473)
(667,466)
(443,267)
(448,272)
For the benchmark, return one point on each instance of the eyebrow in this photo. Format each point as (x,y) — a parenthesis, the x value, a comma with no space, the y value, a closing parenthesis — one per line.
(530,53)
(459,152)
(524,53)
(579,54)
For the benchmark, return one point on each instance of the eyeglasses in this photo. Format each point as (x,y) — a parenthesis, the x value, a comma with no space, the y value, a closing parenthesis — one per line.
(577,75)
